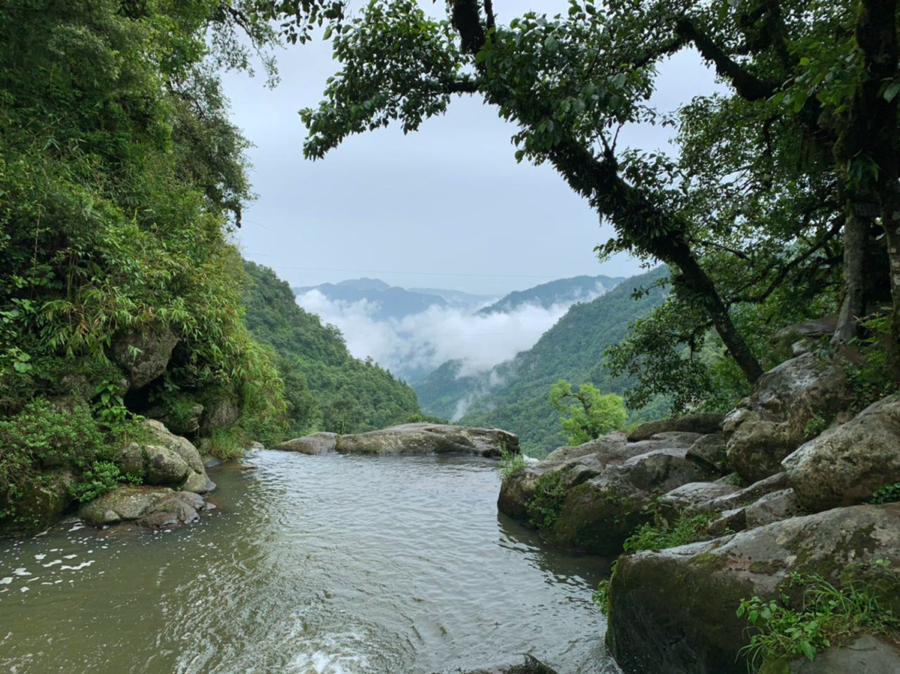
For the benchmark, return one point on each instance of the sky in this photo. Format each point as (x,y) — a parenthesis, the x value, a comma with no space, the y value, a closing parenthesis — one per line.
(447,207)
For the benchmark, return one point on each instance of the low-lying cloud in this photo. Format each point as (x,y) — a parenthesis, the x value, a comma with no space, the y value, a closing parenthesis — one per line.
(415,345)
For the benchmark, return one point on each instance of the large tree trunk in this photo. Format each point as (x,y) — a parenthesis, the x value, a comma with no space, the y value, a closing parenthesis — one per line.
(874,133)
(853,304)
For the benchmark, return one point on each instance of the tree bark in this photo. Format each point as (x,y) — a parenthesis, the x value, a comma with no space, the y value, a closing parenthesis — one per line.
(873,132)
(853,303)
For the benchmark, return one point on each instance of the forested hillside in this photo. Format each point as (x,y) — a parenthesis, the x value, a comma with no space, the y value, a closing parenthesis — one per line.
(514,395)
(326,388)
(561,291)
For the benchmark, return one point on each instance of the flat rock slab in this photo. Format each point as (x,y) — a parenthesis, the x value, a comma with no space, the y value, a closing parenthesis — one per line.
(419,438)
(866,655)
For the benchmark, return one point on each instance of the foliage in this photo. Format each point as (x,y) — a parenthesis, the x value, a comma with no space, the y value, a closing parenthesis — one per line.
(510,463)
(326,388)
(660,534)
(548,499)
(814,427)
(601,596)
(594,414)
(888,493)
(225,443)
(45,436)
(100,478)
(419,418)
(825,615)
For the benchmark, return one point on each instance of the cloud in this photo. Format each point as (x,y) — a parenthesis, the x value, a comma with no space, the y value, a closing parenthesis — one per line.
(415,345)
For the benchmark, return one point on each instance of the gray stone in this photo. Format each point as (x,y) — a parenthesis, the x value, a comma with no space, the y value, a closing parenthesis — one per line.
(423,438)
(711,450)
(849,463)
(171,510)
(774,507)
(694,494)
(691,423)
(865,655)
(674,610)
(773,421)
(198,483)
(814,329)
(318,443)
(125,503)
(746,495)
(144,353)
(164,466)
(182,446)
(613,441)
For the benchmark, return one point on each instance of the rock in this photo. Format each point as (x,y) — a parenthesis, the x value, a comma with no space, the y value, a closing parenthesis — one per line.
(44,501)
(256,446)
(125,503)
(529,665)
(849,463)
(182,418)
(318,443)
(423,438)
(599,499)
(691,423)
(222,410)
(602,444)
(144,353)
(198,483)
(599,514)
(711,450)
(774,507)
(184,447)
(866,655)
(693,494)
(814,329)
(164,466)
(171,510)
(774,420)
(745,496)
(674,611)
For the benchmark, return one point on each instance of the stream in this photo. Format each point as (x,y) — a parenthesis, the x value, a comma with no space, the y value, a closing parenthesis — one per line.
(310,564)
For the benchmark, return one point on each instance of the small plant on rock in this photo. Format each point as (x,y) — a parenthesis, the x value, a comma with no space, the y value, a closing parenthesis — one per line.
(889,493)
(547,502)
(660,534)
(826,615)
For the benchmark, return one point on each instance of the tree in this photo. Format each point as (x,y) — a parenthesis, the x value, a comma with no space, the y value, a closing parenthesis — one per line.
(592,414)
(561,80)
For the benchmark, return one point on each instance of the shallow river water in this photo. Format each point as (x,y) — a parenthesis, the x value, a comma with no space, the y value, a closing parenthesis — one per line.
(310,564)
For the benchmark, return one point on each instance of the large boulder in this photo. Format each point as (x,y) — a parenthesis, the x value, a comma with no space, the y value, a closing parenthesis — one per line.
(593,502)
(604,444)
(787,403)
(848,464)
(423,438)
(673,611)
(167,460)
(125,503)
(145,353)
(866,654)
(155,507)
(43,501)
(317,443)
(703,423)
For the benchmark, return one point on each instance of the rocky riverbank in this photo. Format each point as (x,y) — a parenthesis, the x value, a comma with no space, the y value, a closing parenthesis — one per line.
(793,484)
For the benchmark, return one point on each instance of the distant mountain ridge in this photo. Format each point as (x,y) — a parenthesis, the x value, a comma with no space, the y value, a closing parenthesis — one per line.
(514,394)
(387,302)
(561,291)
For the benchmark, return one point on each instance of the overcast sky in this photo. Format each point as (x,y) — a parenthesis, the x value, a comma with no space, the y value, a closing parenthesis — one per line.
(445,207)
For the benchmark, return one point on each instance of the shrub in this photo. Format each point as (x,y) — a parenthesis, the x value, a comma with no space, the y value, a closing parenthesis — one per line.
(888,493)
(510,463)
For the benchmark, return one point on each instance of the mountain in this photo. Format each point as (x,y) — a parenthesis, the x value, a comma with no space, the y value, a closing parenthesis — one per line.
(561,291)
(457,298)
(327,388)
(387,302)
(513,395)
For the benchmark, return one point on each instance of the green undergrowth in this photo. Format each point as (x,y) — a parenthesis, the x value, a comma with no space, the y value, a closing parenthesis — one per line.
(548,499)
(888,493)
(813,614)
(661,534)
(45,441)
(510,463)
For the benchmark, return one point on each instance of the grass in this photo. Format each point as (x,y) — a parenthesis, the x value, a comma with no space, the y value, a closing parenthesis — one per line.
(547,502)
(826,615)
(510,463)
(660,534)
